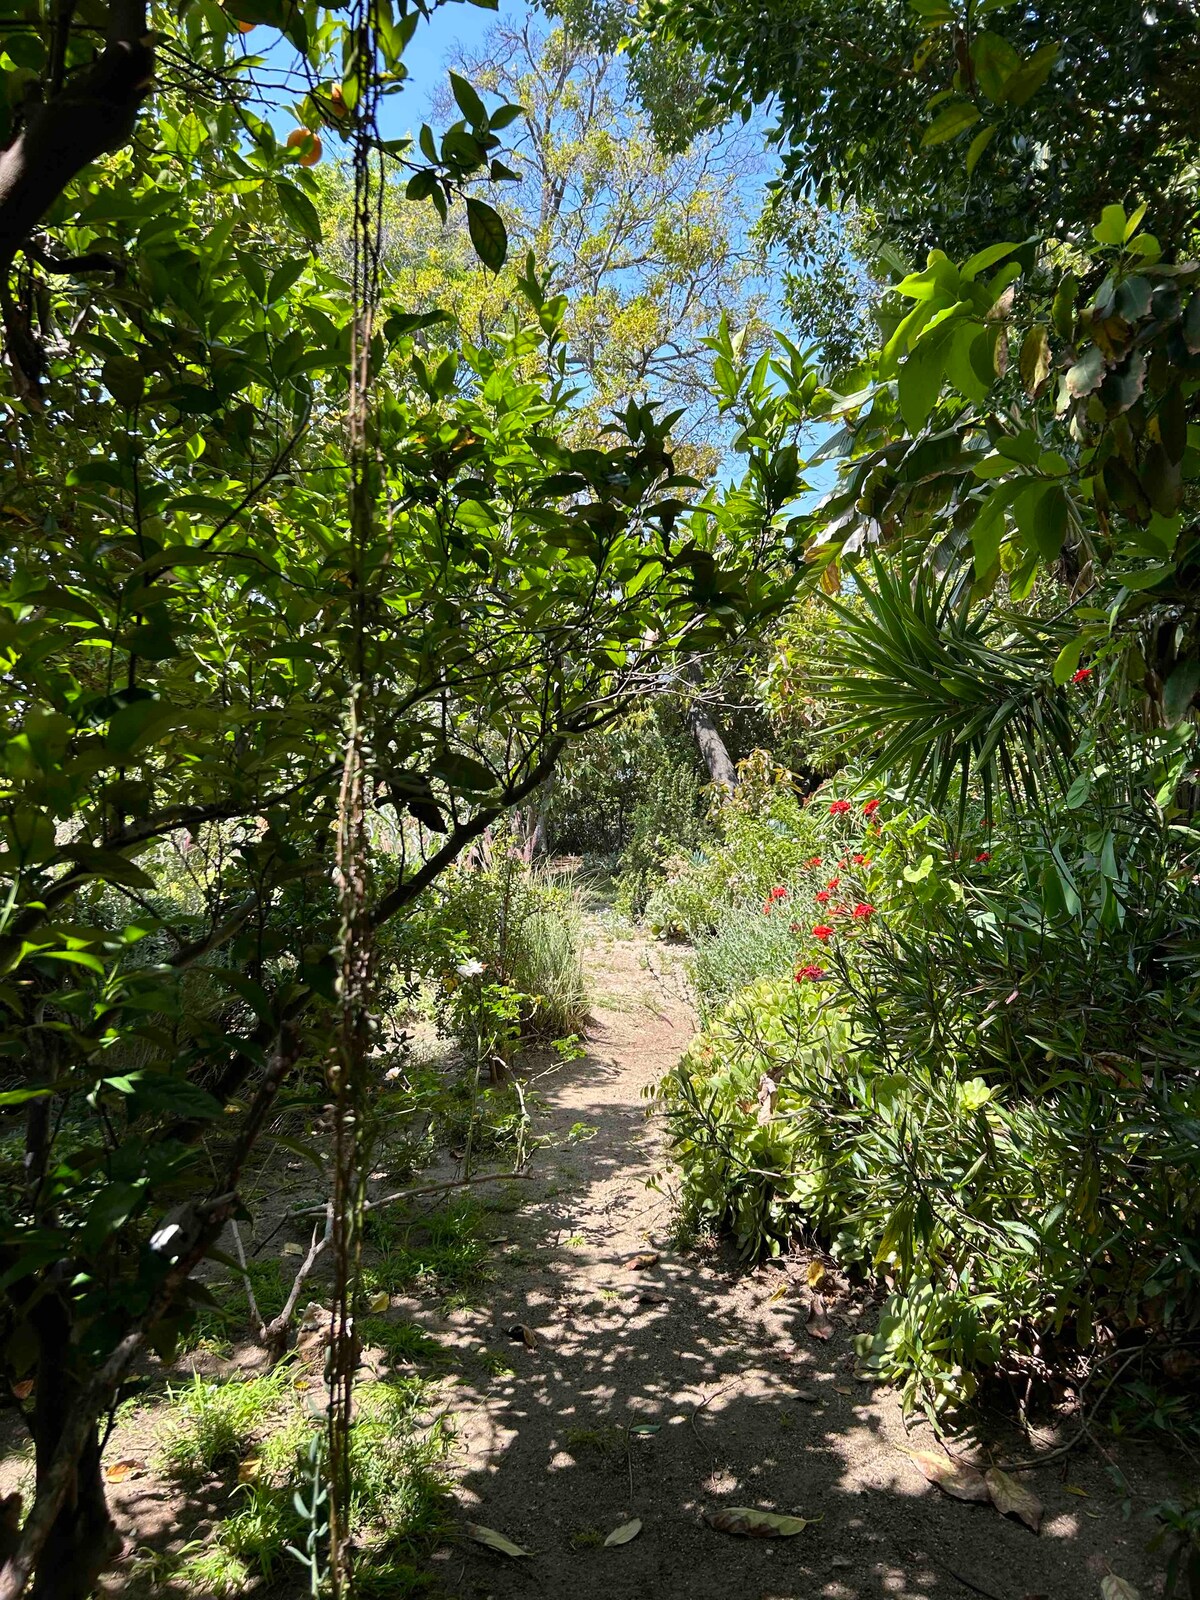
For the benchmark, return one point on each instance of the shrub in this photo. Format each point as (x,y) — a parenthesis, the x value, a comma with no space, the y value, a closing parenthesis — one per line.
(982,1090)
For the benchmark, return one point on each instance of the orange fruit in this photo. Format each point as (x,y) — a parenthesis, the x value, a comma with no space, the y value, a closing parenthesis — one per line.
(309,146)
(245,27)
(338,101)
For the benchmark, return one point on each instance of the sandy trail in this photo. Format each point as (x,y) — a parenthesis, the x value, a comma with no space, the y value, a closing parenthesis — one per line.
(662,1392)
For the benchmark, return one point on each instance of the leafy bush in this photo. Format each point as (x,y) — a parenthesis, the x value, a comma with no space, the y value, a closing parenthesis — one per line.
(981,1090)
(523,930)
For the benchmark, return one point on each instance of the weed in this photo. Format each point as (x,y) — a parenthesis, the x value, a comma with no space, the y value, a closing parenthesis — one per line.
(587,1538)
(216,1423)
(401,1342)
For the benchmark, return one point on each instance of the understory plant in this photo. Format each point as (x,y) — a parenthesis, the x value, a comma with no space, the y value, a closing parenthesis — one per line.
(978,1091)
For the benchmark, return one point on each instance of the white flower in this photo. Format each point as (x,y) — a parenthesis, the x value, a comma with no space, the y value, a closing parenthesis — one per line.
(469,969)
(392,1074)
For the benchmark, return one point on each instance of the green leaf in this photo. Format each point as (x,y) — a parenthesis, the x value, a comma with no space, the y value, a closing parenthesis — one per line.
(122,377)
(955,119)
(299,210)
(488,234)
(920,378)
(995,63)
(1111,227)
(978,145)
(1179,691)
(1087,373)
(1025,83)
(469,103)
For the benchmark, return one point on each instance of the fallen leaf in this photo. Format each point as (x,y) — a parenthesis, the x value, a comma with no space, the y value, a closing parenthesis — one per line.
(1012,1498)
(651,1297)
(249,1469)
(648,1258)
(840,1388)
(958,1478)
(119,1471)
(816,1274)
(778,1294)
(1114,1588)
(1073,1488)
(818,1324)
(644,1428)
(524,1335)
(627,1531)
(493,1540)
(751,1523)
(291,1248)
(379,1302)
(22,1390)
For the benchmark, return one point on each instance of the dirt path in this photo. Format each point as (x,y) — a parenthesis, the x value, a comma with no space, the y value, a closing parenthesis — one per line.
(663,1392)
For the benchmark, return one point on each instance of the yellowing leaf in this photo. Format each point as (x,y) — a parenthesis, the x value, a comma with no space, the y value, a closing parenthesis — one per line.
(379,1302)
(816,1274)
(249,1469)
(1012,1498)
(1073,1488)
(1114,1588)
(493,1540)
(958,1478)
(778,1294)
(627,1531)
(119,1471)
(751,1523)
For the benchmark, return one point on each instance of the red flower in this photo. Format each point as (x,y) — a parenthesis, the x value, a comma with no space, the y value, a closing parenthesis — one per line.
(842,862)
(863,911)
(833,883)
(822,897)
(813,861)
(813,974)
(984,855)
(839,808)
(1084,672)
(766,908)
(823,932)
(861,860)
(778,894)
(871,807)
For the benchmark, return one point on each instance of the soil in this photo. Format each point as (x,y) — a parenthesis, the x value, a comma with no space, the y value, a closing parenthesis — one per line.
(591,1388)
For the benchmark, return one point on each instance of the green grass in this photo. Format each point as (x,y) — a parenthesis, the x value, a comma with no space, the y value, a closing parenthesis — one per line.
(444,1253)
(400,1507)
(401,1342)
(215,1425)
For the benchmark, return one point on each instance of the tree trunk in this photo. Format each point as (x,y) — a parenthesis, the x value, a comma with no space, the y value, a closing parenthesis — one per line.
(85,115)
(84,1539)
(707,735)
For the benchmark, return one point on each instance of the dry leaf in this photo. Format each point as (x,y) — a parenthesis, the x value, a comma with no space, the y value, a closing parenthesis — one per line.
(648,1258)
(778,1293)
(22,1390)
(379,1302)
(627,1531)
(816,1274)
(958,1478)
(525,1335)
(291,1248)
(493,1540)
(1073,1488)
(754,1524)
(119,1471)
(818,1325)
(651,1297)
(840,1388)
(1012,1498)
(249,1470)
(1114,1588)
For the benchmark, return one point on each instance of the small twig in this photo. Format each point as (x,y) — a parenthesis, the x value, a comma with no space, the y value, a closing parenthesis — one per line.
(256,1316)
(967,1583)
(432,1188)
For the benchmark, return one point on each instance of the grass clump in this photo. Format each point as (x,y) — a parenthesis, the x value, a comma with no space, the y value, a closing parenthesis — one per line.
(216,1423)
